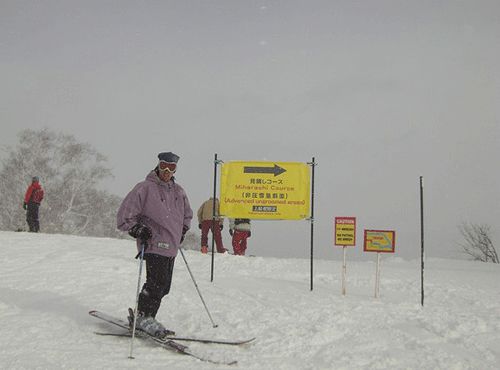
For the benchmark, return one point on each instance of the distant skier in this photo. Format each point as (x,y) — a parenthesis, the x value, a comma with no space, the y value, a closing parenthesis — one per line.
(205,214)
(239,228)
(157,213)
(32,199)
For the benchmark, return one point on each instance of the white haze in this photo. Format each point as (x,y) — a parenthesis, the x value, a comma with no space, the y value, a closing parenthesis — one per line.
(379,92)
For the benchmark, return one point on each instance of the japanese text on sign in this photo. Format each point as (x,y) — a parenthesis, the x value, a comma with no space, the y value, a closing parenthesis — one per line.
(265,190)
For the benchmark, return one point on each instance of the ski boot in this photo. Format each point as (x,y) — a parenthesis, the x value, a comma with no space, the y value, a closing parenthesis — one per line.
(149,325)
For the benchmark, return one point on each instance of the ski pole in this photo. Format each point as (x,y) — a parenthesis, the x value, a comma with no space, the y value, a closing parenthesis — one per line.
(141,258)
(197,289)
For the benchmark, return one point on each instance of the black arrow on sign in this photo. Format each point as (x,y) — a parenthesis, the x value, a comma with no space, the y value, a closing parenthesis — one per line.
(276,170)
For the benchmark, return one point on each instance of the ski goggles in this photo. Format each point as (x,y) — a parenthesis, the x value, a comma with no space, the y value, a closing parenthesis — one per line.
(167,166)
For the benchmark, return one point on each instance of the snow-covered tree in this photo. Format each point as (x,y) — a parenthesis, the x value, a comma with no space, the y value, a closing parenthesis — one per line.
(477,242)
(69,172)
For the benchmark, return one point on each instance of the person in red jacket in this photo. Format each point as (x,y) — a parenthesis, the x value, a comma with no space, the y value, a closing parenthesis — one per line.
(32,200)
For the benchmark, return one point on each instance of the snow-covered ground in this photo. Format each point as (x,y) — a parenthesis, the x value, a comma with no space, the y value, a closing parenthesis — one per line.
(48,283)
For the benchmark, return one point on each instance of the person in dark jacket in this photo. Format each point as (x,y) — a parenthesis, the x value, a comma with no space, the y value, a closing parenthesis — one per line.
(32,199)
(157,214)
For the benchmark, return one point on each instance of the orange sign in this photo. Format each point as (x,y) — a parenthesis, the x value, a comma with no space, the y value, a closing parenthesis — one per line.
(380,241)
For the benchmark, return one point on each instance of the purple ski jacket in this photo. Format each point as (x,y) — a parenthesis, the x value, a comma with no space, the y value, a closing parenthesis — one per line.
(163,207)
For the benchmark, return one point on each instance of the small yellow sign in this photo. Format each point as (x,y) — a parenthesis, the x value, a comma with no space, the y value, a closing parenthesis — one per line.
(380,241)
(265,190)
(345,231)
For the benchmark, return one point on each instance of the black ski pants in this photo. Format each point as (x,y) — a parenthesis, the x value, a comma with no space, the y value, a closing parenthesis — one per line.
(32,217)
(159,271)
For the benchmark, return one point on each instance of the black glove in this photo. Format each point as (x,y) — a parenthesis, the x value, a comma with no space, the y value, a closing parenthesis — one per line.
(221,226)
(199,226)
(184,231)
(231,232)
(140,231)
(25,206)
(249,234)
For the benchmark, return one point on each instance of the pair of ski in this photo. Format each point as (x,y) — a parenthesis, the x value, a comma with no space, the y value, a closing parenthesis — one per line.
(169,342)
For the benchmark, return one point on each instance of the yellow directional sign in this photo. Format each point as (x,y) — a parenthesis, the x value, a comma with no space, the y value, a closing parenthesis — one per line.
(265,190)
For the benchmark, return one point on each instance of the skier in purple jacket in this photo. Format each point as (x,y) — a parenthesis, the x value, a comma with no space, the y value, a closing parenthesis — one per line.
(157,214)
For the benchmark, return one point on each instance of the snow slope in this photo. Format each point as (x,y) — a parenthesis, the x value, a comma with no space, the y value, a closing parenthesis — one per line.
(48,283)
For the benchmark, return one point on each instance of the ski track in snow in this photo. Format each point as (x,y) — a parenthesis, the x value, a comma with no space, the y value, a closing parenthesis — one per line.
(48,283)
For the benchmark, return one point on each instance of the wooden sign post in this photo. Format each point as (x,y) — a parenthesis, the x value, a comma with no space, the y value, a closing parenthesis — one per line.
(379,241)
(345,236)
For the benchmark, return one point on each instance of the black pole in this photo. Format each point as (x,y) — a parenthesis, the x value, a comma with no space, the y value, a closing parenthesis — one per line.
(313,164)
(213,218)
(422,255)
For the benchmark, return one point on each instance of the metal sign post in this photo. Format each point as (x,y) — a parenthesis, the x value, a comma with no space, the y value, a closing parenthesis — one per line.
(216,162)
(313,164)
(422,254)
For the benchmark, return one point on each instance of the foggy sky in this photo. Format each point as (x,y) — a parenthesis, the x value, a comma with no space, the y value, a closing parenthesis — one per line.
(379,92)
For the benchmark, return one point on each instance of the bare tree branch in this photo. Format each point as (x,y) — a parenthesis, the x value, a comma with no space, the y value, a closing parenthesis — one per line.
(477,242)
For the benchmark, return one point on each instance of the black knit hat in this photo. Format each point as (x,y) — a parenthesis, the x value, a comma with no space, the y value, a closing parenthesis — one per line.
(168,157)
(35,179)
